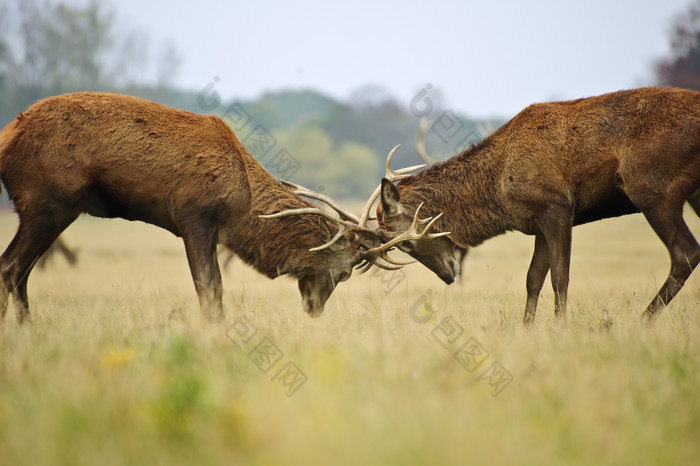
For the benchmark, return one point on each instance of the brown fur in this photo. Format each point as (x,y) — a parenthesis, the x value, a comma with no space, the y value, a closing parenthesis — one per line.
(111,155)
(560,164)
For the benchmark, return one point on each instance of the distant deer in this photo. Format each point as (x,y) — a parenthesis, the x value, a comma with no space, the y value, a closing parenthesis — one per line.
(557,165)
(111,155)
(58,246)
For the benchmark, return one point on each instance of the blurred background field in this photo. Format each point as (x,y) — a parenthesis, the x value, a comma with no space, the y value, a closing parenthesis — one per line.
(118,367)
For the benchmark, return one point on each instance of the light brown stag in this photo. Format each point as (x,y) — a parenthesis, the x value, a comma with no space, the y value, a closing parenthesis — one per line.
(111,155)
(557,165)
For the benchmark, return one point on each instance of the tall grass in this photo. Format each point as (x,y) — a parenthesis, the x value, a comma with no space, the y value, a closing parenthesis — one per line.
(119,368)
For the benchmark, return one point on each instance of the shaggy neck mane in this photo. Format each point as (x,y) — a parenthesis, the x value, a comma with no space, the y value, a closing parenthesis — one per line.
(277,246)
(466,189)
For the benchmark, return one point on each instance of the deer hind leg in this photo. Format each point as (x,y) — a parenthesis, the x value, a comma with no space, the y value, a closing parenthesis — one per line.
(539,267)
(556,227)
(200,246)
(682,247)
(34,236)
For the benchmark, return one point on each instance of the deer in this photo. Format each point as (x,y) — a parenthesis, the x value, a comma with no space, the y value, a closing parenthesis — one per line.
(555,166)
(483,129)
(59,245)
(111,155)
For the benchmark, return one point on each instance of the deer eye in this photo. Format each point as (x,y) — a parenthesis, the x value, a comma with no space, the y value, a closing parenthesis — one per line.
(343,276)
(406,246)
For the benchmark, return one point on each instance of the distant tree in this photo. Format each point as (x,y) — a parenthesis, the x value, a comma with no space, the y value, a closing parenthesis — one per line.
(354,171)
(347,171)
(53,46)
(682,68)
(323,133)
(167,63)
(371,96)
(56,46)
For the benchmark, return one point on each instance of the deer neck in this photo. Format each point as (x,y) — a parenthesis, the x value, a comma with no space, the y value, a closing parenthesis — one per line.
(467,190)
(276,246)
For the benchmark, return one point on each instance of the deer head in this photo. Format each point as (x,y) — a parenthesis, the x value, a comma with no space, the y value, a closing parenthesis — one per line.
(439,253)
(352,246)
(436,251)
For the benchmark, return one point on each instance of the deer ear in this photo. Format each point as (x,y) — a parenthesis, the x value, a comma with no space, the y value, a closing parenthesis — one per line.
(326,234)
(325,231)
(390,198)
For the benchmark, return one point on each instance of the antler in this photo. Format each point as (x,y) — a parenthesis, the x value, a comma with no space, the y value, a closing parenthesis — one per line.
(411,234)
(367,264)
(420,142)
(392,176)
(344,226)
(302,191)
(380,259)
(349,222)
(484,129)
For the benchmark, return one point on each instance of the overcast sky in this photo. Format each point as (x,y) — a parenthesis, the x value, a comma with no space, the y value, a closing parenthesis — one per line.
(486,57)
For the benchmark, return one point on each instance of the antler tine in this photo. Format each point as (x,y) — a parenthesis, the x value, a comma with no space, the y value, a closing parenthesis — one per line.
(301,211)
(420,142)
(344,226)
(367,264)
(363,267)
(365,211)
(386,258)
(411,234)
(401,172)
(302,191)
(382,264)
(389,174)
(484,129)
(388,157)
(392,176)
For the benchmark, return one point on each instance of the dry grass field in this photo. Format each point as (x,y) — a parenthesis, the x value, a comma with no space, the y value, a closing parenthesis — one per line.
(118,367)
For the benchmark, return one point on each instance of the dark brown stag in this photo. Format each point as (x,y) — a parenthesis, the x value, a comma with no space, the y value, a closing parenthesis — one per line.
(111,155)
(557,165)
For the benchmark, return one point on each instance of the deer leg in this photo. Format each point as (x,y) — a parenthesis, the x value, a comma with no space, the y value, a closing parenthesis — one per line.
(682,247)
(539,266)
(34,236)
(200,246)
(5,271)
(557,232)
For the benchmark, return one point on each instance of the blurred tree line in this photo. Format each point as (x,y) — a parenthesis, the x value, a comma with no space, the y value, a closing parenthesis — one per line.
(682,67)
(49,47)
(53,47)
(341,147)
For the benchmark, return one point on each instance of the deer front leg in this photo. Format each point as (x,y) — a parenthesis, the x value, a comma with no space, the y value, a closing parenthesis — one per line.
(684,250)
(539,266)
(556,228)
(200,246)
